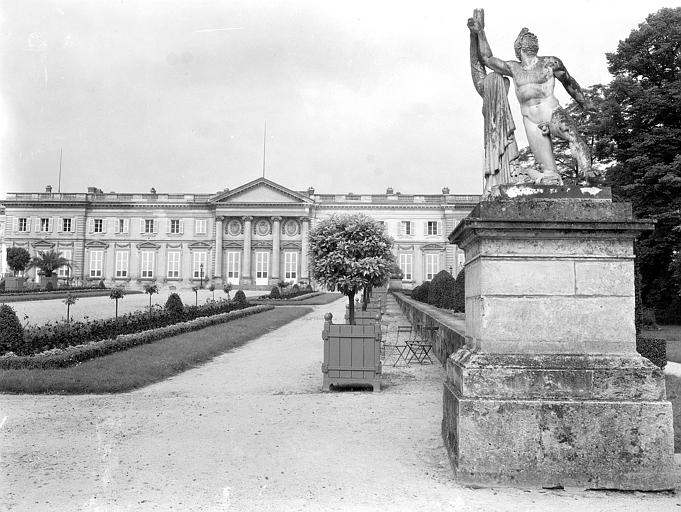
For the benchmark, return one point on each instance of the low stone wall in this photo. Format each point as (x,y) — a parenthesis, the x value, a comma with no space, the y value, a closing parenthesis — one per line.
(450,335)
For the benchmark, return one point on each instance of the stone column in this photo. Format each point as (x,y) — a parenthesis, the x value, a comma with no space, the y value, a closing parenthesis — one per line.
(549,390)
(246,274)
(276,249)
(305,247)
(219,233)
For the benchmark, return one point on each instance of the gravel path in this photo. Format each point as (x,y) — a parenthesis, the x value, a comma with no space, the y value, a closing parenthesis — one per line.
(252,431)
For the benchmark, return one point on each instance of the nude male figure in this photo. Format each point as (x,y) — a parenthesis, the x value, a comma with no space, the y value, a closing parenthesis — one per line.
(534,78)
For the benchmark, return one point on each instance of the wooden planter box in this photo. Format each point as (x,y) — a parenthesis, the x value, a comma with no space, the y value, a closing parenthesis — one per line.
(368,317)
(351,354)
(14,283)
(52,279)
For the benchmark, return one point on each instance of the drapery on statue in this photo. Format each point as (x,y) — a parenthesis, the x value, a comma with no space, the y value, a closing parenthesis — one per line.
(500,145)
(534,78)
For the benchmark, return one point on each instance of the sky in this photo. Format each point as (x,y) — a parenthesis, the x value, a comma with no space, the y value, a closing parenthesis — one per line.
(356,96)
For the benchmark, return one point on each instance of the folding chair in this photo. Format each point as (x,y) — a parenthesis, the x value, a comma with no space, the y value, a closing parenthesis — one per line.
(400,347)
(421,346)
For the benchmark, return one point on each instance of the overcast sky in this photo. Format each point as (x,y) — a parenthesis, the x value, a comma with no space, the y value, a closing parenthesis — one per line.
(357,95)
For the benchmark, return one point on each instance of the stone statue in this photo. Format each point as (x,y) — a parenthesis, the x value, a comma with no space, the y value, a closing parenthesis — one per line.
(501,149)
(534,78)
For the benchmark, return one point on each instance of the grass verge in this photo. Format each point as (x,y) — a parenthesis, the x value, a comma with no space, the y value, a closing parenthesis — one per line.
(674,396)
(147,364)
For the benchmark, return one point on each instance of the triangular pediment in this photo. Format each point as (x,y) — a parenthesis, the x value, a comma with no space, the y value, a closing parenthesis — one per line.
(261,191)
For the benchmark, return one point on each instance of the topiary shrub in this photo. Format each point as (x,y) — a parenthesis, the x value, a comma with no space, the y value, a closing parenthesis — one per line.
(11,331)
(653,349)
(308,288)
(295,288)
(421,292)
(442,290)
(240,297)
(49,286)
(174,305)
(275,293)
(460,292)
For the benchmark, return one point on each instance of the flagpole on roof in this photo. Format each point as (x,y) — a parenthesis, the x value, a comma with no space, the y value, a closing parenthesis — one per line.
(264,145)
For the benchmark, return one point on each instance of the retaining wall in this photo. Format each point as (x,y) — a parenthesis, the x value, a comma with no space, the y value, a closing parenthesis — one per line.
(451,333)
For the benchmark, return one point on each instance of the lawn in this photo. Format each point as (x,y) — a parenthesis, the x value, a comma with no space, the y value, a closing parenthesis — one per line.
(147,364)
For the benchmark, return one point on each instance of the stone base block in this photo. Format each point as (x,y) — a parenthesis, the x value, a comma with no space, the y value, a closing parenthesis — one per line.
(592,444)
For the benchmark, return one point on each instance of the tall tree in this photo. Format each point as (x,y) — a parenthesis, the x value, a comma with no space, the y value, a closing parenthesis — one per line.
(350,253)
(645,125)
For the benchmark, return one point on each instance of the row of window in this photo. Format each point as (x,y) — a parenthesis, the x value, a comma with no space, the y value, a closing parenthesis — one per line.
(199,265)
(406,262)
(176,226)
(96,225)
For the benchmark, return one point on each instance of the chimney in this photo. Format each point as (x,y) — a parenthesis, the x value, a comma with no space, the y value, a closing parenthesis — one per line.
(152,190)
(389,191)
(445,191)
(310,191)
(48,189)
(92,190)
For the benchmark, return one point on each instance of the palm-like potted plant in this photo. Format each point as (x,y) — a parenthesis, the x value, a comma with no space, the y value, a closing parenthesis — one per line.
(350,253)
(47,263)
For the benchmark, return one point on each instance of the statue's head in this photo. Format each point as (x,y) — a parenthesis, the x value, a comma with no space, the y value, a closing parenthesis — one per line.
(527,42)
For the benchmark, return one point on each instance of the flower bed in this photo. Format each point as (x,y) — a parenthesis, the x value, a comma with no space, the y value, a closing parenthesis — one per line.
(74,354)
(265,299)
(60,335)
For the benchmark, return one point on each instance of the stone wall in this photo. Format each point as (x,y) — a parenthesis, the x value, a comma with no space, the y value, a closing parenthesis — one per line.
(450,335)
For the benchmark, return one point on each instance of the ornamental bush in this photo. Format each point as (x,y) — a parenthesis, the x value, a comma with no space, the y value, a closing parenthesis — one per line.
(295,288)
(174,305)
(441,291)
(421,292)
(653,349)
(240,297)
(460,292)
(11,331)
(275,293)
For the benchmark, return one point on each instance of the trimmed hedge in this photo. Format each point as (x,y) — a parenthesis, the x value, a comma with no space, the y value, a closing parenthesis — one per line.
(421,292)
(460,292)
(11,330)
(174,305)
(441,291)
(653,349)
(275,293)
(61,335)
(72,355)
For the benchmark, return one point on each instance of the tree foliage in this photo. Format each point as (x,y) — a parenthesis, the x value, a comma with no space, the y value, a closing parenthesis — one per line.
(644,123)
(18,259)
(350,253)
(48,262)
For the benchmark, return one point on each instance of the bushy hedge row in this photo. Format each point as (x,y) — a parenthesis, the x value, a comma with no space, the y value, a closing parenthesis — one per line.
(62,334)
(296,291)
(59,289)
(77,354)
(653,349)
(443,291)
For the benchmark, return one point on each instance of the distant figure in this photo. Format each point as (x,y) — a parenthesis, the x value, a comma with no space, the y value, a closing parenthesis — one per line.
(534,79)
(500,145)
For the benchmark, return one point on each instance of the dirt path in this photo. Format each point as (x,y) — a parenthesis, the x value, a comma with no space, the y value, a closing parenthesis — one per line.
(252,431)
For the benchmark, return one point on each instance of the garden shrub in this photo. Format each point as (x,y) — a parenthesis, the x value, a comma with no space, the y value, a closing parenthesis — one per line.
(442,290)
(460,292)
(240,297)
(421,292)
(61,334)
(49,286)
(11,331)
(295,288)
(308,288)
(653,349)
(174,305)
(275,293)
(101,284)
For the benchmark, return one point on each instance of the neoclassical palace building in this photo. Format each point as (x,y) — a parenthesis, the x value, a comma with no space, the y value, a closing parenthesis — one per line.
(253,235)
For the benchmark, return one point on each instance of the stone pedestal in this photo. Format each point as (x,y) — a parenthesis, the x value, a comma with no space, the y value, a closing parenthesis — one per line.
(549,389)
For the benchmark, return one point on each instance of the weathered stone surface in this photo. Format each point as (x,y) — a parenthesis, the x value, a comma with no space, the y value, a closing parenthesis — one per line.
(552,324)
(551,443)
(549,389)
(604,278)
(521,192)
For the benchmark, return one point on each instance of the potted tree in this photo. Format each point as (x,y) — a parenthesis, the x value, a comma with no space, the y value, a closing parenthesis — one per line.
(18,259)
(48,263)
(350,253)
(396,276)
